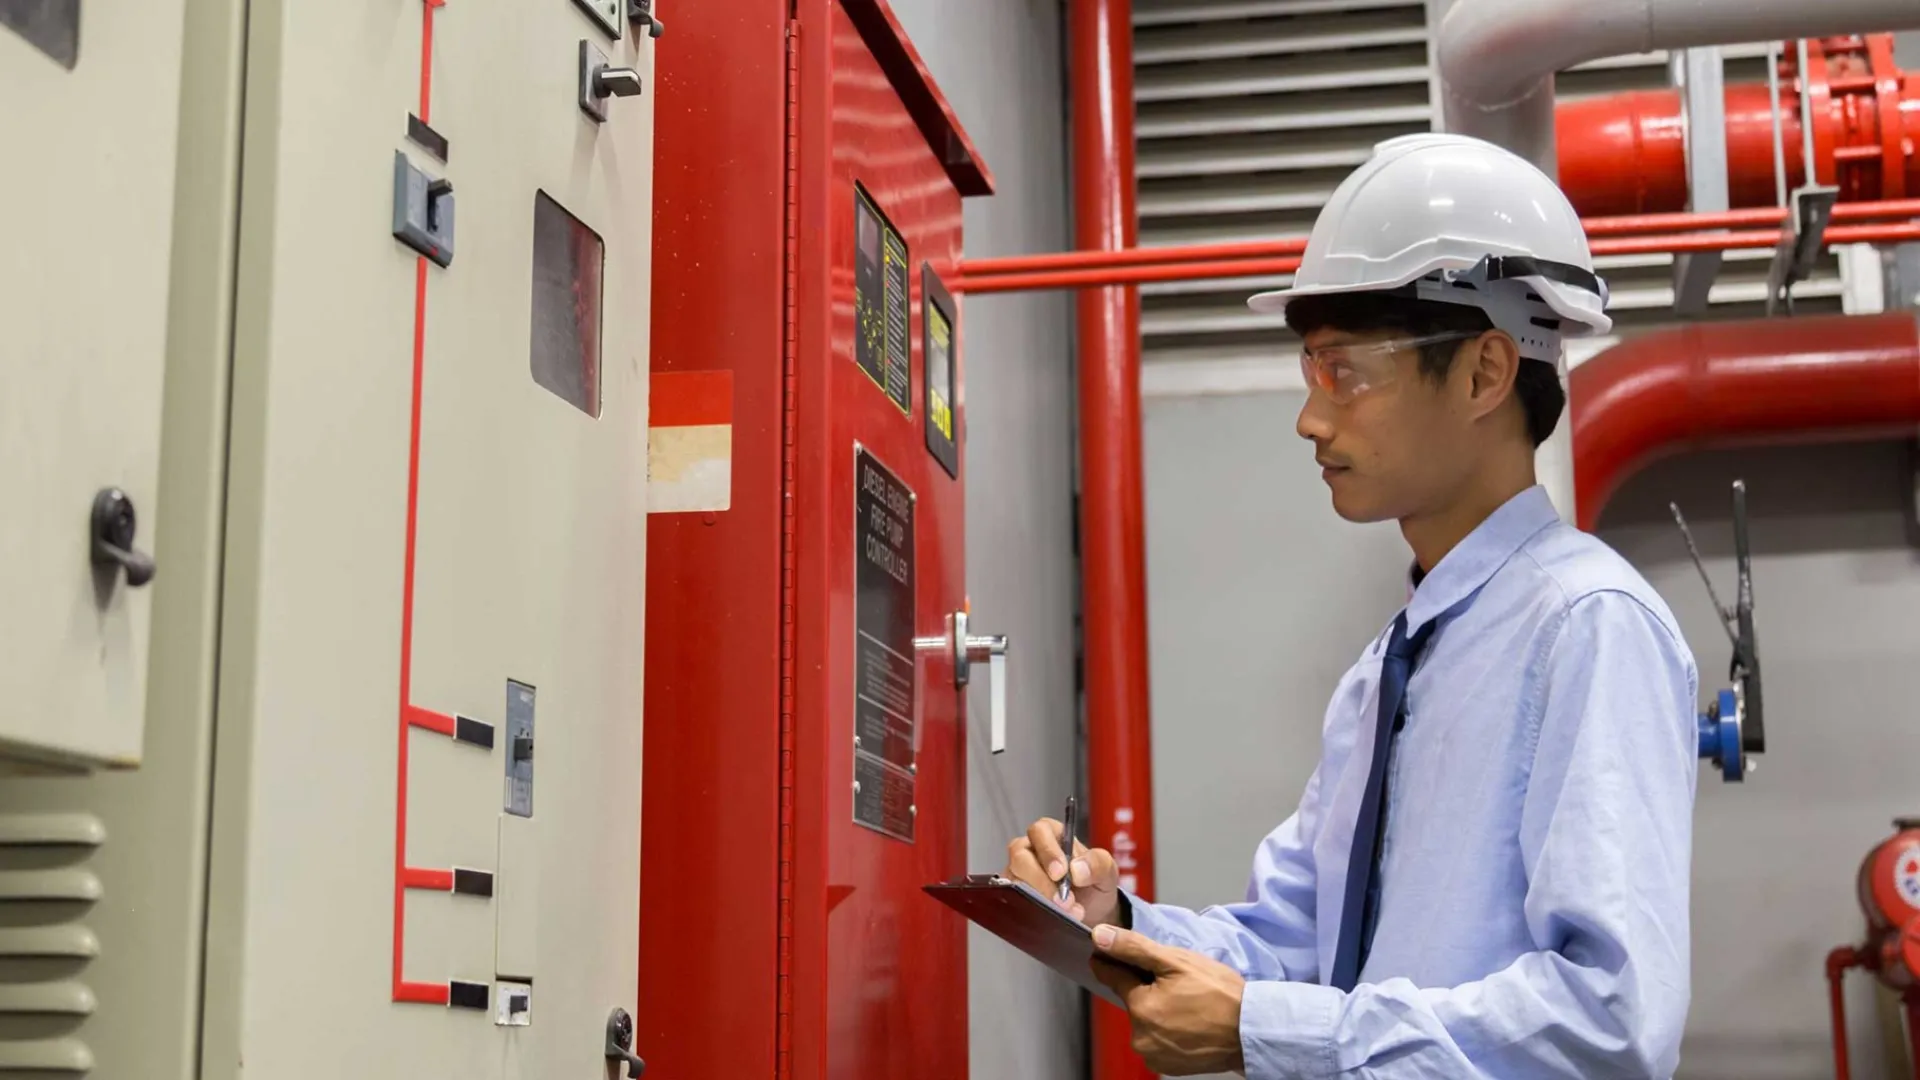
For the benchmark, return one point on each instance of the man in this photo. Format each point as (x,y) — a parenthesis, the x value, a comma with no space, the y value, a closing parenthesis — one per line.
(1487,875)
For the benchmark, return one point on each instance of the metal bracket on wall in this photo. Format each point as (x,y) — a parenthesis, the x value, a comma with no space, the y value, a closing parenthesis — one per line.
(1802,242)
(1701,77)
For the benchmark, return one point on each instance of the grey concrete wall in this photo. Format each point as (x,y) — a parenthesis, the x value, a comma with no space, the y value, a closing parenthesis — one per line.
(1260,597)
(999,62)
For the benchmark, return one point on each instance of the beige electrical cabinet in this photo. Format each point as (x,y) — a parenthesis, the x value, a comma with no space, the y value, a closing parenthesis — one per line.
(350,300)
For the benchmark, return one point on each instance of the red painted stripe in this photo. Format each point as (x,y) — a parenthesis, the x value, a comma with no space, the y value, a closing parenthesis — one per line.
(422,993)
(427,993)
(427,718)
(690,399)
(414,877)
(426,59)
(406,638)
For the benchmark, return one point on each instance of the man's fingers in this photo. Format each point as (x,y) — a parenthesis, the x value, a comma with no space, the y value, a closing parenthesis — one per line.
(1136,949)
(1095,870)
(1022,866)
(1045,838)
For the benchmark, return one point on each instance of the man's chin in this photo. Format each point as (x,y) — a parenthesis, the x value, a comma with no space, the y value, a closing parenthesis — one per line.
(1352,505)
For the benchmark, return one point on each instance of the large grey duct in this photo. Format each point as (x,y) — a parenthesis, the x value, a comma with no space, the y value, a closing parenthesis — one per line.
(1498,57)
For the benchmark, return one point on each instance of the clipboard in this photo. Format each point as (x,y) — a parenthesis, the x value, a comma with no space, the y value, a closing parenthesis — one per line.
(1017,914)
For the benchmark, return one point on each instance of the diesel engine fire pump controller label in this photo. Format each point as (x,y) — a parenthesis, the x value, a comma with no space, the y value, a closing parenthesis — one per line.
(883,688)
(881,305)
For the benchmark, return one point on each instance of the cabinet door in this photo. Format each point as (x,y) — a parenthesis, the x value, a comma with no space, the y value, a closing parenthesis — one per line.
(86,206)
(441,504)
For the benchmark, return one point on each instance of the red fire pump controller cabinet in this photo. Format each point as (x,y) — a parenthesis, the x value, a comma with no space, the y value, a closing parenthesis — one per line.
(805,759)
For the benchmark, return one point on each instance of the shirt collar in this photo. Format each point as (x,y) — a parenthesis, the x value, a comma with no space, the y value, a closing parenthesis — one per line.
(1475,559)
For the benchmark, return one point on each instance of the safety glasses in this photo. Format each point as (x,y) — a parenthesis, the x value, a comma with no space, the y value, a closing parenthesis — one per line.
(1344,372)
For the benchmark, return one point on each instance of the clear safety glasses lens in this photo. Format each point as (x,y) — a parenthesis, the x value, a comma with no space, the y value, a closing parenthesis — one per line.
(1344,372)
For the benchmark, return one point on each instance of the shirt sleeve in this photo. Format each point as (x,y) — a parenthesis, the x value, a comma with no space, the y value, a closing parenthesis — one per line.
(1606,838)
(1271,934)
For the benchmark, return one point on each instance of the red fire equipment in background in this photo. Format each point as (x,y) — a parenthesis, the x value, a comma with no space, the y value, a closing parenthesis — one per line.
(1626,154)
(1889,891)
(805,758)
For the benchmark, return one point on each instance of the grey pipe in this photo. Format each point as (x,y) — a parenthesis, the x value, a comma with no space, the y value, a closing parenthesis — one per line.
(1497,58)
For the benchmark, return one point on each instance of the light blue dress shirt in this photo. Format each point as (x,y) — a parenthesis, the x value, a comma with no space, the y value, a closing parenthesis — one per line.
(1534,877)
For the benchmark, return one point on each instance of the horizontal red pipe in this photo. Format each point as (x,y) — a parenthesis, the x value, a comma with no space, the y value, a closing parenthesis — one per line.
(1139,273)
(1627,152)
(1620,225)
(1811,379)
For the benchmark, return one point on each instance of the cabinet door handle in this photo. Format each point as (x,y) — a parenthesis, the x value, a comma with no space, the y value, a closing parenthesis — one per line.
(620,1044)
(114,525)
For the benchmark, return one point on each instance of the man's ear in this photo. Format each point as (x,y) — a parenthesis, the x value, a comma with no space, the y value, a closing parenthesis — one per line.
(1492,362)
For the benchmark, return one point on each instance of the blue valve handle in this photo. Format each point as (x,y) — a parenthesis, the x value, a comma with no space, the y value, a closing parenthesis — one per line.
(1720,738)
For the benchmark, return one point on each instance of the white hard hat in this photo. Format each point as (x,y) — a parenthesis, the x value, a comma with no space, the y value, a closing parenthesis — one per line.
(1464,222)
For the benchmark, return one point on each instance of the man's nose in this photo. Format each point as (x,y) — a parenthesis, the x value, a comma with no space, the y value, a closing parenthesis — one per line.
(1314,423)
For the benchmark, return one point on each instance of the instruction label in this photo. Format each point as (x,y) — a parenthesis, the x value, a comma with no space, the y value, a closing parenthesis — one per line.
(881,302)
(884,719)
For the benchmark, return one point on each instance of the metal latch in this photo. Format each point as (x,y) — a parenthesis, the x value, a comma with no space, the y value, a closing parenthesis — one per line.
(968,649)
(422,211)
(600,80)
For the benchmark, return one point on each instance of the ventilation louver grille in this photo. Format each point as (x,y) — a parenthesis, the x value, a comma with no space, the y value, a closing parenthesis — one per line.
(1248,113)
(46,891)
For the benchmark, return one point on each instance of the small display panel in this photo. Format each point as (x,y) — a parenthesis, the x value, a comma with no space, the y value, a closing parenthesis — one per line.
(569,263)
(937,311)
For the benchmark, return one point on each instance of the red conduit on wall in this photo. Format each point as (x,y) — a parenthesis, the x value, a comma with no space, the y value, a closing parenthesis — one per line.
(1811,379)
(1112,524)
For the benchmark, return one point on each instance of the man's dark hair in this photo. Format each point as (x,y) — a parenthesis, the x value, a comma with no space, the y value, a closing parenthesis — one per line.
(1537,385)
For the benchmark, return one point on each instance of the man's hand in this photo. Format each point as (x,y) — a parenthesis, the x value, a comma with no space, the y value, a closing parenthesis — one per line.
(1187,1020)
(1037,859)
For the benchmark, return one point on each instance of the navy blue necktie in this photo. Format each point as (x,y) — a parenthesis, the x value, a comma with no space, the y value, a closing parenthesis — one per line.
(1363,862)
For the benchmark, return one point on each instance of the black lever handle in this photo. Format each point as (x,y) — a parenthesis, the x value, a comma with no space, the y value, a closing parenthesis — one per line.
(620,1043)
(114,525)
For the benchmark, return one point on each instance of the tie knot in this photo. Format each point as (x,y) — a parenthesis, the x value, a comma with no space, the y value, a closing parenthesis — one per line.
(1402,647)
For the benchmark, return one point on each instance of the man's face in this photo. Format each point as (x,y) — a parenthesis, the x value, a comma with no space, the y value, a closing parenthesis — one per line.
(1391,442)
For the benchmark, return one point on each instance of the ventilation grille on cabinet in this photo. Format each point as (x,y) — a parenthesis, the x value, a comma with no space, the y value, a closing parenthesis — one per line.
(46,890)
(1249,112)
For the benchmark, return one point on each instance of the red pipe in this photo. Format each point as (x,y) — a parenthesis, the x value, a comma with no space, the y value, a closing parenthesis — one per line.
(1104,272)
(1230,255)
(1838,961)
(1812,379)
(1626,153)
(1913,1031)
(1112,532)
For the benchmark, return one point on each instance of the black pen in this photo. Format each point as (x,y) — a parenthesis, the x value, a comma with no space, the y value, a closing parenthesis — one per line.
(1066,848)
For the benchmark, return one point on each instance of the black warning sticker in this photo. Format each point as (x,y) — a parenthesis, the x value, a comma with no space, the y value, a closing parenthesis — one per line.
(881,302)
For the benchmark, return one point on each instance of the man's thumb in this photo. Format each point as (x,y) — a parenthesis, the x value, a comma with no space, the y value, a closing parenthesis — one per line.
(1127,946)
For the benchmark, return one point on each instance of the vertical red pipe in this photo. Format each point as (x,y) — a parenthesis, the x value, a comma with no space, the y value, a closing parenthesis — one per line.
(1112,529)
(1838,961)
